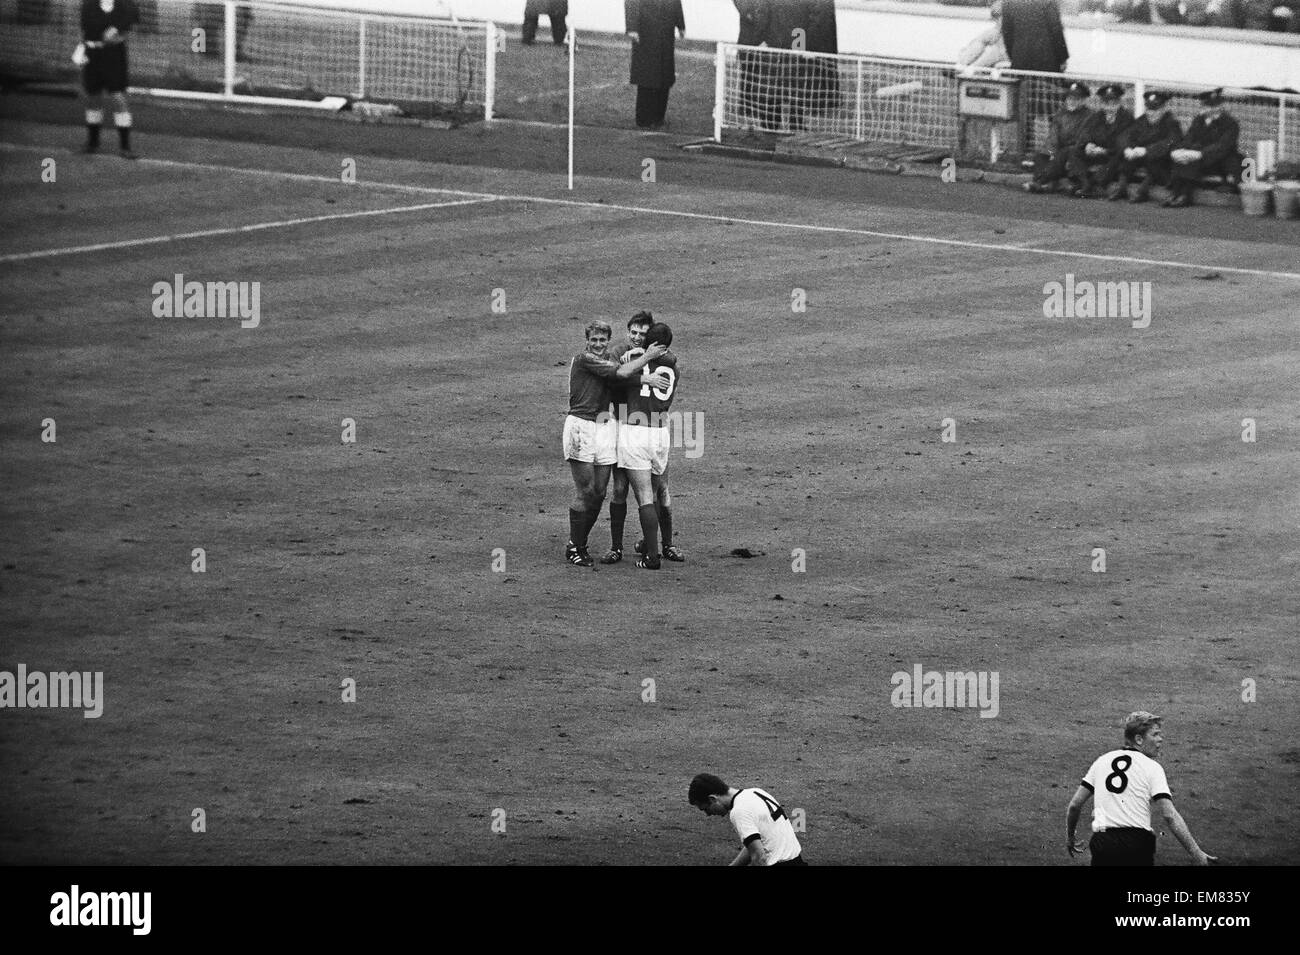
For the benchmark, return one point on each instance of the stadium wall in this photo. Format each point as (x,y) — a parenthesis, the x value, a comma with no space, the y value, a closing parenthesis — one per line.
(1204,56)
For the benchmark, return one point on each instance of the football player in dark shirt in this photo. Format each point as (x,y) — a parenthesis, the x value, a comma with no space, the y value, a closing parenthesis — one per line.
(591,432)
(637,327)
(643,445)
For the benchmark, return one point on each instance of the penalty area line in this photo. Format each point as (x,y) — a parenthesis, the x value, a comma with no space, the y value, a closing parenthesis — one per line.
(230,230)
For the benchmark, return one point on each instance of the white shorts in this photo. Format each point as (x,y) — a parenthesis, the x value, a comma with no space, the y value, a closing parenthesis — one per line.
(590,441)
(642,448)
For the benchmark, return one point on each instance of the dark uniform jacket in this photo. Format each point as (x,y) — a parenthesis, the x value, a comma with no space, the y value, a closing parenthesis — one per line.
(95,21)
(819,21)
(753,21)
(1108,136)
(1067,129)
(1216,140)
(1159,139)
(1032,32)
(784,17)
(652,56)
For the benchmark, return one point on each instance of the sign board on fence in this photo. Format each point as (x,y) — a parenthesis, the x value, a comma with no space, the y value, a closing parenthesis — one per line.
(995,99)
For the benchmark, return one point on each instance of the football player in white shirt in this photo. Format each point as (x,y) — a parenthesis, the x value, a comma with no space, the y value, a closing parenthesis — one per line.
(764,829)
(1124,784)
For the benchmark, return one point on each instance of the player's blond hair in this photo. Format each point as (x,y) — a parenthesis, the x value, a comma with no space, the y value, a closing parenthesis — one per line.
(596,325)
(1139,724)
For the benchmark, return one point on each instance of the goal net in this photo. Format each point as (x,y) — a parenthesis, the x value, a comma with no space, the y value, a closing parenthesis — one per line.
(250,49)
(785,91)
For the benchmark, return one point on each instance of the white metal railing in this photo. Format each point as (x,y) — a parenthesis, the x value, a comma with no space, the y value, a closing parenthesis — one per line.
(914,102)
(262,51)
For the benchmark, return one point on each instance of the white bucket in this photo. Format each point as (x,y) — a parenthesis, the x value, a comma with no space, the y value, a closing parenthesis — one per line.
(1256,198)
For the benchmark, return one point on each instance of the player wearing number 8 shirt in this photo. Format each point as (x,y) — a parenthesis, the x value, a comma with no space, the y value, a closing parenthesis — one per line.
(766,835)
(1124,784)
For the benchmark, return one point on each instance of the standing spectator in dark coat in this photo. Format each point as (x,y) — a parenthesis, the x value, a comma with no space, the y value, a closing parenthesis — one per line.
(555,10)
(1100,145)
(1208,149)
(1146,147)
(1035,40)
(1033,35)
(786,73)
(757,103)
(650,24)
(822,37)
(1067,135)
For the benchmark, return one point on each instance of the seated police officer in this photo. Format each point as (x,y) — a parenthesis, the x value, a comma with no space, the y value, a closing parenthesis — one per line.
(1145,149)
(1208,149)
(1100,143)
(1064,158)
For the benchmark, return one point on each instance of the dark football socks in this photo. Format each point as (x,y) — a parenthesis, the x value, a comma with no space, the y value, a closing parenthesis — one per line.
(650,529)
(589,521)
(92,135)
(617,518)
(577,523)
(665,524)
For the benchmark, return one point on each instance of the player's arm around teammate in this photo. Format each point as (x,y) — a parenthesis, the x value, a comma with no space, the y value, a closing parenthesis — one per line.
(590,438)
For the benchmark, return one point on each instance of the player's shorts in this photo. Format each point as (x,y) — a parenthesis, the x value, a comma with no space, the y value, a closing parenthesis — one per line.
(1126,846)
(643,448)
(589,441)
(797,860)
(106,70)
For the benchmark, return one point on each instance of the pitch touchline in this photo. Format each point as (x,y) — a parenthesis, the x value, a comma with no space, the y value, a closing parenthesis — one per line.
(231,230)
(699,216)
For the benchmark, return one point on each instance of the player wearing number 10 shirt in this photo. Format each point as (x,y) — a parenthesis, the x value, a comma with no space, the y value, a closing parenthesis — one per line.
(1124,784)
(644,439)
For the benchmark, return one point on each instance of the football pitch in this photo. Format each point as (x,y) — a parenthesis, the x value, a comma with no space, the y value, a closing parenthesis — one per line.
(920,463)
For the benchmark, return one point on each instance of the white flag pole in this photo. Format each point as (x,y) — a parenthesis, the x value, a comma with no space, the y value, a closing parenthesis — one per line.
(573,43)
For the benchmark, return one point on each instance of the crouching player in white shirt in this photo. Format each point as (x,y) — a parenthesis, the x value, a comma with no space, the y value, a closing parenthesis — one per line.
(764,829)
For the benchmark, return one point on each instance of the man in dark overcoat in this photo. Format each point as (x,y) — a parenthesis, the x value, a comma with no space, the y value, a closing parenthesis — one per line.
(651,25)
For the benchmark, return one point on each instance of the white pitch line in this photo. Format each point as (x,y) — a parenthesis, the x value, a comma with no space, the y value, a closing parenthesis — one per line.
(712,217)
(231,230)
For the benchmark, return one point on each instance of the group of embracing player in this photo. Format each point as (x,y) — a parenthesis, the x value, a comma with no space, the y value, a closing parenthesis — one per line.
(618,419)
